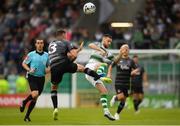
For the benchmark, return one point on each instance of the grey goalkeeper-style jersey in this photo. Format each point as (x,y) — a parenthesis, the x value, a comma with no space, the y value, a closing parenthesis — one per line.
(123,71)
(58,50)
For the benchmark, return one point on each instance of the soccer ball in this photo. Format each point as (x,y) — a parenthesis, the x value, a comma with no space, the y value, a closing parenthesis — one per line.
(89,8)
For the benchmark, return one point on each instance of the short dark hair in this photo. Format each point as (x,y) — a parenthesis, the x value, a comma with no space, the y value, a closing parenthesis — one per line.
(135,56)
(39,39)
(60,32)
(107,35)
(36,39)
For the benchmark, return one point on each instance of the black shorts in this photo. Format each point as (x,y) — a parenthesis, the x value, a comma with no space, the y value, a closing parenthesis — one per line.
(58,71)
(137,89)
(122,89)
(36,83)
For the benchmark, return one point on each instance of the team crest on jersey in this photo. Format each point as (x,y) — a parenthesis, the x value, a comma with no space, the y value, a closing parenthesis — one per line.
(128,62)
(124,67)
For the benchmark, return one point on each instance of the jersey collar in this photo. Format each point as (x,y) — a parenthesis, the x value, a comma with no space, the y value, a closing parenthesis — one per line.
(40,53)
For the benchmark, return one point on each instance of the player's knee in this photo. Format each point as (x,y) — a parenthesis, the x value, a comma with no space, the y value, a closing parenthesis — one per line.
(101,88)
(121,97)
(141,96)
(135,96)
(104,91)
(54,87)
(35,94)
(80,68)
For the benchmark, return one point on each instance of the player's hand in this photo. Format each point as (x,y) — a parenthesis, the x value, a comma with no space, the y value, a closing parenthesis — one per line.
(145,84)
(109,75)
(81,46)
(135,72)
(32,70)
(72,55)
(103,53)
(48,70)
(120,54)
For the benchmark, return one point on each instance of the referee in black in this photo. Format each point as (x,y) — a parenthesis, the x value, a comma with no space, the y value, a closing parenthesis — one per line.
(125,68)
(62,53)
(138,81)
(36,64)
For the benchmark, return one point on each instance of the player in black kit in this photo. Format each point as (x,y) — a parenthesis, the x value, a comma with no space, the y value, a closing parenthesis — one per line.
(138,81)
(61,56)
(125,68)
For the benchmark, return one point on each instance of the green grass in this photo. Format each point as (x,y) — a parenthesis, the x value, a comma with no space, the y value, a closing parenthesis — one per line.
(91,116)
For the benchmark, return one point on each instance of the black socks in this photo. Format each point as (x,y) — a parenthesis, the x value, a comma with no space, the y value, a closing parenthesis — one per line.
(136,104)
(27,99)
(54,98)
(91,73)
(120,107)
(30,108)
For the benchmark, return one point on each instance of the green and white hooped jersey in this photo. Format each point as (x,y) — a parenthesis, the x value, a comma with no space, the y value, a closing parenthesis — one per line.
(97,57)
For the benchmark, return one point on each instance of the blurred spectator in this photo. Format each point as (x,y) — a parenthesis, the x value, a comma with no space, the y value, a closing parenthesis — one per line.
(21,84)
(4,86)
(21,21)
(138,38)
(14,51)
(2,60)
(11,78)
(178,45)
(156,22)
(98,35)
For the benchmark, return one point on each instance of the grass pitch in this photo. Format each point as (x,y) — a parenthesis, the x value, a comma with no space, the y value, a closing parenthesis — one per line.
(91,116)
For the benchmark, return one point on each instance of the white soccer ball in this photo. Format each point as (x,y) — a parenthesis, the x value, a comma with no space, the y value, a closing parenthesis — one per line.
(89,8)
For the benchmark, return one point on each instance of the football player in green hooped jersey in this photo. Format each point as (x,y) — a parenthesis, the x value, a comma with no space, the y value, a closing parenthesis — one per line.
(99,60)
(101,56)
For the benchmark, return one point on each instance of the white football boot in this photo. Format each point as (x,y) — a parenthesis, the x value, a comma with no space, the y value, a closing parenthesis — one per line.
(116,116)
(112,102)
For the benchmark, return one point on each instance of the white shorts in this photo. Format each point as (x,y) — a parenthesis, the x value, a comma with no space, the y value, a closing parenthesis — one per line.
(92,66)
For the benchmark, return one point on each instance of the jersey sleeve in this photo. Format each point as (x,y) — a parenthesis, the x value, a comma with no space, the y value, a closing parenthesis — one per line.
(97,43)
(115,60)
(48,62)
(133,65)
(113,63)
(70,46)
(142,69)
(111,56)
(28,59)
(108,59)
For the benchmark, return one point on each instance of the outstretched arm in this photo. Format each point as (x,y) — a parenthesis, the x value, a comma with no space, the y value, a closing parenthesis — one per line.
(135,72)
(72,54)
(80,47)
(109,73)
(27,68)
(97,48)
(117,58)
(145,79)
(25,63)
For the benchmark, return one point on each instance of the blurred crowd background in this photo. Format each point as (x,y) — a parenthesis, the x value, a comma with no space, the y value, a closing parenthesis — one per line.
(156,26)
